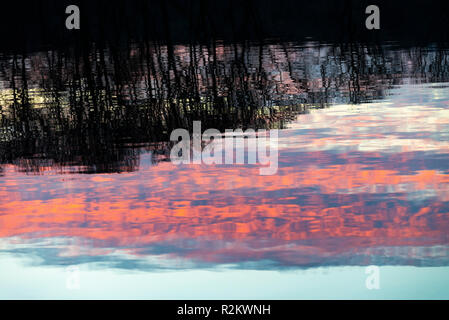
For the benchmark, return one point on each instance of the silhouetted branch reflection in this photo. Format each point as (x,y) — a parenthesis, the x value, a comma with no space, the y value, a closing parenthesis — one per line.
(90,110)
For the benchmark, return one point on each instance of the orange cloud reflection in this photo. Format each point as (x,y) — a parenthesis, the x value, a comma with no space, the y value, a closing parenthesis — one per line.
(320,205)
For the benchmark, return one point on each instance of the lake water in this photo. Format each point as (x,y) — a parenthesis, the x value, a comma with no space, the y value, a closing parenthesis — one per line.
(92,207)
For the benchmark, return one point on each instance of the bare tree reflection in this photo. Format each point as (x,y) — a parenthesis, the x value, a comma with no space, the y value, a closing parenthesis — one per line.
(91,109)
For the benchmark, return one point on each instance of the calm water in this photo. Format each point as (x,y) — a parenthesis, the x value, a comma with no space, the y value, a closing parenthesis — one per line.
(87,188)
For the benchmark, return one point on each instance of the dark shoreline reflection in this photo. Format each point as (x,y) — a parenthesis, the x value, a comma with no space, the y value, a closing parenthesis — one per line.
(88,109)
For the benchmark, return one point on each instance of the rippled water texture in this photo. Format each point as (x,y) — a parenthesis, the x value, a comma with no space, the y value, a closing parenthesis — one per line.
(363,178)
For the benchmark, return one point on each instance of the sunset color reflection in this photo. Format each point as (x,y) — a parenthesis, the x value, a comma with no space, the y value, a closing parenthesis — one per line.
(356,185)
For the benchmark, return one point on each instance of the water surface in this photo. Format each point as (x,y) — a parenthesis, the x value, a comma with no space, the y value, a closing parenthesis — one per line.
(363,178)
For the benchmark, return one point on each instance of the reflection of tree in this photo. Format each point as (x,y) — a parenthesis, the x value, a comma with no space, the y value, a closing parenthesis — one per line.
(90,107)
